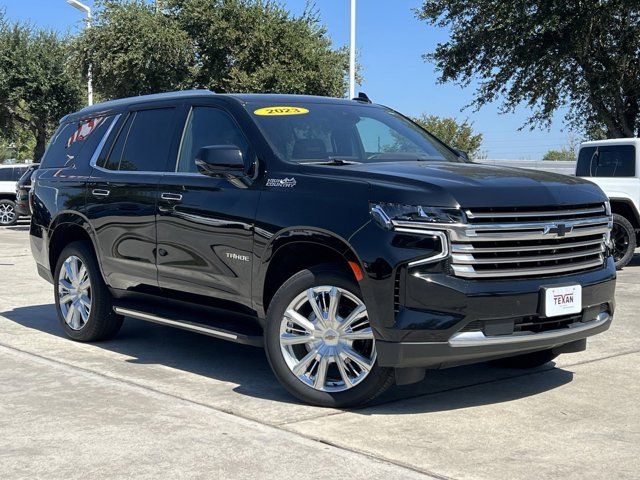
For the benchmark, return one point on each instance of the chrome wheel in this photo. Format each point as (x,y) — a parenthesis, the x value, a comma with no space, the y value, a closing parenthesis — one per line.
(74,293)
(326,339)
(7,214)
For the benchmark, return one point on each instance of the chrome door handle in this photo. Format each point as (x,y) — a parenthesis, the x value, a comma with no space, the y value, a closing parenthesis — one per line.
(172,197)
(97,192)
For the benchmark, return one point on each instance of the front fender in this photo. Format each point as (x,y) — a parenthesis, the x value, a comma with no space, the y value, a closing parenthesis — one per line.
(268,247)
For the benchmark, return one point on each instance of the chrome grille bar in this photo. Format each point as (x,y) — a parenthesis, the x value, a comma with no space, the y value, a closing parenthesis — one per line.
(468,271)
(469,248)
(547,213)
(506,235)
(470,259)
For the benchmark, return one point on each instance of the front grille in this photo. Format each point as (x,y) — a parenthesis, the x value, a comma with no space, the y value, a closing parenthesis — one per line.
(539,325)
(529,242)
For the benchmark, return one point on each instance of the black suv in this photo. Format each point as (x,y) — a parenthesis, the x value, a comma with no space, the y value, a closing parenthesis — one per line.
(355,246)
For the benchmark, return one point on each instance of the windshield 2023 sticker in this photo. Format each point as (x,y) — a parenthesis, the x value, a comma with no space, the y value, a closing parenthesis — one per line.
(279,111)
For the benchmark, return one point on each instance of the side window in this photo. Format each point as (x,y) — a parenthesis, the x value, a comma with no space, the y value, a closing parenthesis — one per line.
(18,172)
(113,160)
(147,141)
(208,126)
(379,138)
(607,161)
(5,174)
(75,141)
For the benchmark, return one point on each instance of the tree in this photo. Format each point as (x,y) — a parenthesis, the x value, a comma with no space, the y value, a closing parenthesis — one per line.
(563,154)
(224,45)
(36,87)
(258,46)
(547,54)
(449,130)
(134,50)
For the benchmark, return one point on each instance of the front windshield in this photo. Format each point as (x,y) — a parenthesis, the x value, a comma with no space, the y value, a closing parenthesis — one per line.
(334,133)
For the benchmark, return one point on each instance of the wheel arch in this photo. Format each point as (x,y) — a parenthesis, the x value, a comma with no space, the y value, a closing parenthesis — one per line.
(625,207)
(295,249)
(66,228)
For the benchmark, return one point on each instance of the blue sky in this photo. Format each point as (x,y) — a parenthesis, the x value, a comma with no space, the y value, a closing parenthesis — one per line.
(391,42)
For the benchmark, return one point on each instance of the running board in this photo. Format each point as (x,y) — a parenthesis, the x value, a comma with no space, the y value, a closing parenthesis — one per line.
(192,326)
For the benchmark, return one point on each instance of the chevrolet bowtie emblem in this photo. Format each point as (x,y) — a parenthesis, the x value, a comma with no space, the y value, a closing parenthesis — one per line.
(560,229)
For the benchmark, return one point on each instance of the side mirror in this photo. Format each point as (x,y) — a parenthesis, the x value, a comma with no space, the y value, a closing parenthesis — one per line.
(220,161)
(462,154)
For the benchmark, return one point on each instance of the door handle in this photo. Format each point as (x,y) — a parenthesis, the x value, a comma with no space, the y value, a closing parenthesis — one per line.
(98,192)
(172,197)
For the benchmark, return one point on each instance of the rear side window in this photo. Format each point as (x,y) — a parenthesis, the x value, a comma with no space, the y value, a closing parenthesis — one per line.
(18,172)
(143,142)
(607,161)
(6,174)
(75,142)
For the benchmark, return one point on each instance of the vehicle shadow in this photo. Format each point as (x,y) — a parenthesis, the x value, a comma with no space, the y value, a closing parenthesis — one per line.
(18,228)
(247,367)
(635,261)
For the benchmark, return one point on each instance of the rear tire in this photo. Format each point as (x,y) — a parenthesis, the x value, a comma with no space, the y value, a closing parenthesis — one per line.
(334,369)
(528,360)
(8,213)
(623,239)
(83,301)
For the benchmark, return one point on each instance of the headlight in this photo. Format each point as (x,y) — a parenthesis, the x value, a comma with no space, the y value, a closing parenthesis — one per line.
(387,214)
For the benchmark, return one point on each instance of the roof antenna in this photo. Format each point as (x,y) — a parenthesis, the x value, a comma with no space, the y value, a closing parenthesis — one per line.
(362,97)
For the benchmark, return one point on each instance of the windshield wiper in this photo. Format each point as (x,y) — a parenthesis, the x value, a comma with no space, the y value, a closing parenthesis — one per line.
(333,161)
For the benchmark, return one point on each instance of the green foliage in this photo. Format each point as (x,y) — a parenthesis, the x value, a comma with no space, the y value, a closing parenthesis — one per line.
(225,45)
(36,88)
(21,147)
(577,54)
(563,154)
(453,133)
(133,50)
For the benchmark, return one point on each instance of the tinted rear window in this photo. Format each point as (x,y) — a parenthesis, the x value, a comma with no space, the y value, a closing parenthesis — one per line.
(75,141)
(6,174)
(607,161)
(18,172)
(144,141)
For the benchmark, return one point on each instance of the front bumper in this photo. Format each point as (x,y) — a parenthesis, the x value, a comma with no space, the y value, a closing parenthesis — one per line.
(445,321)
(472,347)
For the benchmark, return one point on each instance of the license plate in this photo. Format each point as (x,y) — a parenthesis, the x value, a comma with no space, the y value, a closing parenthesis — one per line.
(562,300)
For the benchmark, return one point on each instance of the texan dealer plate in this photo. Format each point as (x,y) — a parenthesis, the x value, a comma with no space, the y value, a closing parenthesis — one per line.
(562,300)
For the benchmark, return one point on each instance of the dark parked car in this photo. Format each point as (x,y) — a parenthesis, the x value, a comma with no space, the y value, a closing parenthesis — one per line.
(353,245)
(23,187)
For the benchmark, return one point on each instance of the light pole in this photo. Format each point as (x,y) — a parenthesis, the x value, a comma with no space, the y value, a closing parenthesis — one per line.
(352,52)
(85,9)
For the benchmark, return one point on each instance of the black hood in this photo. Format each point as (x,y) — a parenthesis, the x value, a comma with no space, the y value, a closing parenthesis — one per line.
(471,185)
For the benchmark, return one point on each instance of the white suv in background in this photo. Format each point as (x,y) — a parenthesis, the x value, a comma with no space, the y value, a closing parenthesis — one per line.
(615,166)
(9,175)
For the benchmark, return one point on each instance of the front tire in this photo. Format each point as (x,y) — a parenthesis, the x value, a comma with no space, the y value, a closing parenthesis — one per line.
(319,341)
(8,213)
(83,301)
(623,240)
